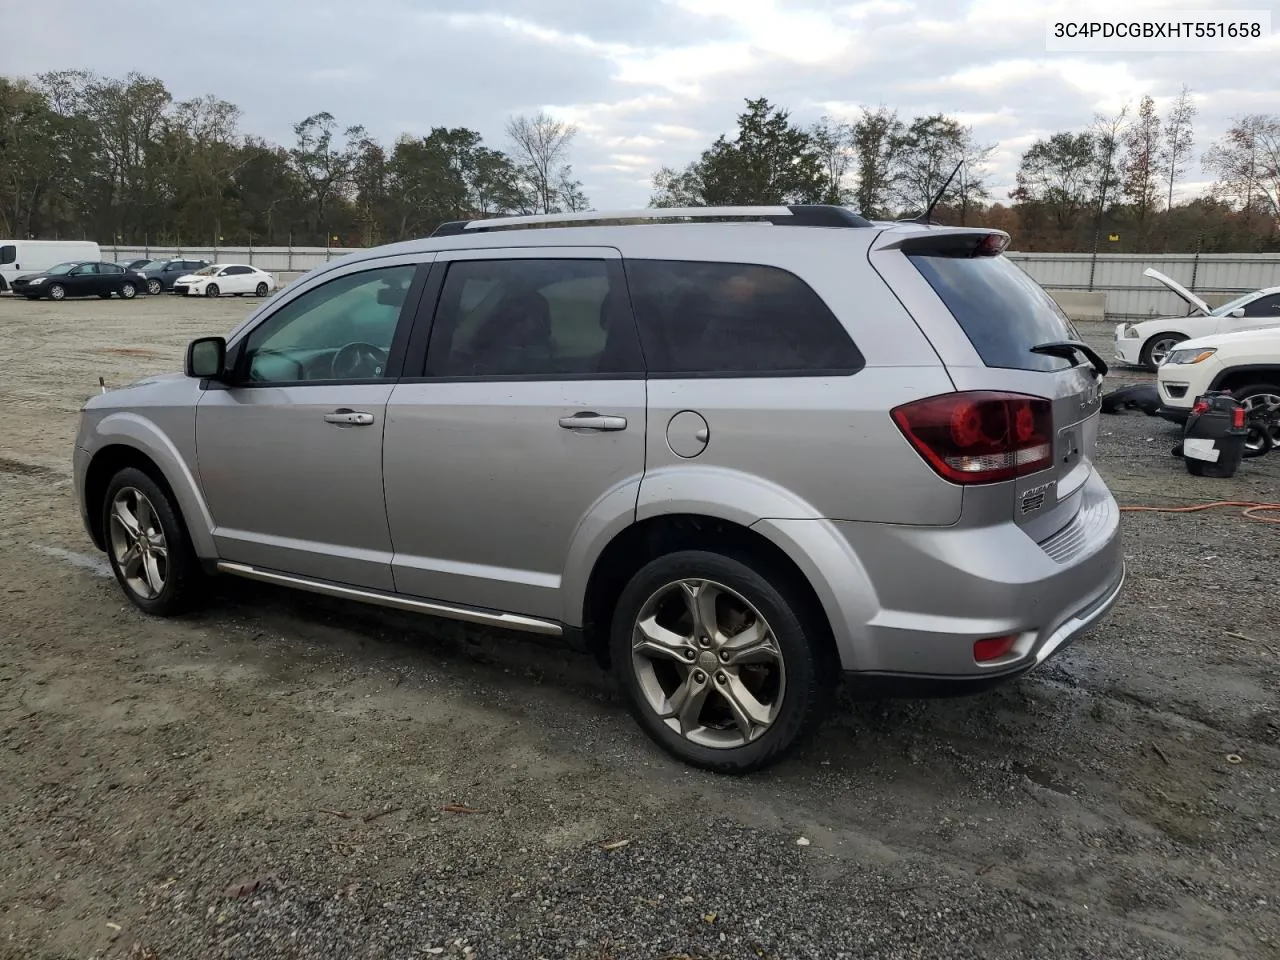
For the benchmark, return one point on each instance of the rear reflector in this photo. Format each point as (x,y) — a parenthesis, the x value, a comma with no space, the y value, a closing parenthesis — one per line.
(993,648)
(980,436)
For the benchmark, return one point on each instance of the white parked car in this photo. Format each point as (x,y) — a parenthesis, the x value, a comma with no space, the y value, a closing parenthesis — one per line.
(1246,362)
(219,278)
(1147,343)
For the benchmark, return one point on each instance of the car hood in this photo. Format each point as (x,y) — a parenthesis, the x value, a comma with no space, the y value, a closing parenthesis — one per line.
(1179,289)
(1265,337)
(28,277)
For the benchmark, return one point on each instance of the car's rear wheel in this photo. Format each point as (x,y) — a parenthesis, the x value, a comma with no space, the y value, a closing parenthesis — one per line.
(128,291)
(147,544)
(57,292)
(211,290)
(721,663)
(1261,402)
(262,290)
(154,287)
(1157,348)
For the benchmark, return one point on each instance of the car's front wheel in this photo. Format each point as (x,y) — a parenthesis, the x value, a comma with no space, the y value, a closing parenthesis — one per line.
(1157,348)
(262,290)
(211,290)
(57,292)
(128,291)
(720,659)
(148,545)
(154,287)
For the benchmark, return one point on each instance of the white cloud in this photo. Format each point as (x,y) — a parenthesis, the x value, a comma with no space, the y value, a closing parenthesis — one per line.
(653,82)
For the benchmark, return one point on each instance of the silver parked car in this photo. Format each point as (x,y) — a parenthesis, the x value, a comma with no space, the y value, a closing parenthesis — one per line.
(737,452)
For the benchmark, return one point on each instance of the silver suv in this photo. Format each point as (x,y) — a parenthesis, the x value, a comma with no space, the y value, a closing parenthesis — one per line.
(735,452)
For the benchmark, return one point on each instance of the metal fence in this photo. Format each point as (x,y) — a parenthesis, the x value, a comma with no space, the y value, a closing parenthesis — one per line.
(1129,295)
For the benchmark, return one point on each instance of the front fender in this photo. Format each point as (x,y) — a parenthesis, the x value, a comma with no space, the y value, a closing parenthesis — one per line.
(132,430)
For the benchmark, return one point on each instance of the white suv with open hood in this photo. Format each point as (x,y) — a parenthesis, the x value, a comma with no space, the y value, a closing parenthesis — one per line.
(1146,344)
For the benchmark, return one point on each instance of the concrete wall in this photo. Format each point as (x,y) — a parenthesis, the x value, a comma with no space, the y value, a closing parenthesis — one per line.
(1076,279)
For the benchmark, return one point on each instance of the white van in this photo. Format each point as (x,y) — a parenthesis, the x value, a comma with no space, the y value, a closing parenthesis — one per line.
(20,257)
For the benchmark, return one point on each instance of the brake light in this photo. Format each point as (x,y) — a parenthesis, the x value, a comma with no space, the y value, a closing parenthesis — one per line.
(1237,417)
(992,245)
(1200,406)
(980,436)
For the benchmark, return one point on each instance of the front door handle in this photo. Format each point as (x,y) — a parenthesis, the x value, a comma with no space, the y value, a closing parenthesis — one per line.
(349,418)
(593,421)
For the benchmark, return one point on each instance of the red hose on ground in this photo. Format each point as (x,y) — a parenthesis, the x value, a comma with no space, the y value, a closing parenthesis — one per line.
(1250,509)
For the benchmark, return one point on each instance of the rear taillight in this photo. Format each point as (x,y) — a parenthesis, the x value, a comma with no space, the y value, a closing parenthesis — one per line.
(1238,417)
(980,436)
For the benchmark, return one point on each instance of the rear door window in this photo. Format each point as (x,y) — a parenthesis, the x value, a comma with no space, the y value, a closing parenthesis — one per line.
(1002,311)
(735,319)
(8,254)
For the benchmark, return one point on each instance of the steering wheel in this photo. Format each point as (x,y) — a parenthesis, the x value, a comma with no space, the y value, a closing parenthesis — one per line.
(358,360)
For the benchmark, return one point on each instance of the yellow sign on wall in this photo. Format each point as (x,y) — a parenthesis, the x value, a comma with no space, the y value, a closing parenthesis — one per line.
(1114,237)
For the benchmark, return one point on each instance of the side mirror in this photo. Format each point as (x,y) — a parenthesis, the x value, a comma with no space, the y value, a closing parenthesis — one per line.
(207,358)
(1238,312)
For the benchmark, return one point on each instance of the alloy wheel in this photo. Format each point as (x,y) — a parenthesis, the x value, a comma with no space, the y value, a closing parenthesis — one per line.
(708,663)
(138,543)
(1262,411)
(1161,349)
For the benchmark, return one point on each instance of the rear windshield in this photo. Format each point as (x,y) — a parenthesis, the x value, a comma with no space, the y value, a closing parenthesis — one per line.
(1002,311)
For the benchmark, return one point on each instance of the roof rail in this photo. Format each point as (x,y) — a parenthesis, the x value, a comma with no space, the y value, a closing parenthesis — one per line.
(794,215)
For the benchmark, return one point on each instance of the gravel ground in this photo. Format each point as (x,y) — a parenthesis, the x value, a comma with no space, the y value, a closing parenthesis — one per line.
(274,777)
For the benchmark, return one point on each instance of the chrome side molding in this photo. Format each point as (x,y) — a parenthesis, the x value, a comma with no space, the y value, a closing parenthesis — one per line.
(511,621)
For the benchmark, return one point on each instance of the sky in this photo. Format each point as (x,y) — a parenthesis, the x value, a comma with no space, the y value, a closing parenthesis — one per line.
(647,82)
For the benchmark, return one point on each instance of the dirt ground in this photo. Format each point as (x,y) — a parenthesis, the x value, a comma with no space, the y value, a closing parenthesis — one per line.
(273,777)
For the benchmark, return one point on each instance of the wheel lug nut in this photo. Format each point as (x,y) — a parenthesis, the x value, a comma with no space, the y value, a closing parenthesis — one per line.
(699,676)
(704,641)
(724,656)
(689,655)
(721,677)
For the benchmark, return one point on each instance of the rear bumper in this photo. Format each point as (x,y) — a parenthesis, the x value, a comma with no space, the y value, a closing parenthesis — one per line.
(920,685)
(908,603)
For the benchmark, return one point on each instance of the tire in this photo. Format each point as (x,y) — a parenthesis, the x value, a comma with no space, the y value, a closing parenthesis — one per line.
(177,571)
(128,291)
(155,287)
(211,290)
(1157,347)
(261,290)
(1255,397)
(57,292)
(713,736)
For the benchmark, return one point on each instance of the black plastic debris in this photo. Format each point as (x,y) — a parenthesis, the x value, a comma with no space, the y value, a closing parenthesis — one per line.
(1132,396)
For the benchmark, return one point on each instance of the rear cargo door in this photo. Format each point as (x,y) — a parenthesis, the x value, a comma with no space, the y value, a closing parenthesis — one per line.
(992,325)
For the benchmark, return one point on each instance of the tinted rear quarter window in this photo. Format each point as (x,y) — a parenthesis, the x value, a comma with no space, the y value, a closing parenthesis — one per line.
(1002,311)
(733,319)
(8,254)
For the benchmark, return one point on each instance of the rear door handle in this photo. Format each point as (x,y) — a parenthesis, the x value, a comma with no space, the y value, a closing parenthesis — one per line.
(593,421)
(349,418)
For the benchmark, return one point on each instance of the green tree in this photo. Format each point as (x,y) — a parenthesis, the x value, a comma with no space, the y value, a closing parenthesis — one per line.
(771,161)
(324,166)
(1140,179)
(875,139)
(678,188)
(1056,174)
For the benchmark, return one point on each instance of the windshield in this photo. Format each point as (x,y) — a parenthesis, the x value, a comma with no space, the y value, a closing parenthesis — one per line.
(1235,304)
(208,271)
(61,268)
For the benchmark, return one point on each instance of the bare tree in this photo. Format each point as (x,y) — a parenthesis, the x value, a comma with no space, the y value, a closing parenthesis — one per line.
(1246,163)
(833,141)
(541,148)
(1178,138)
